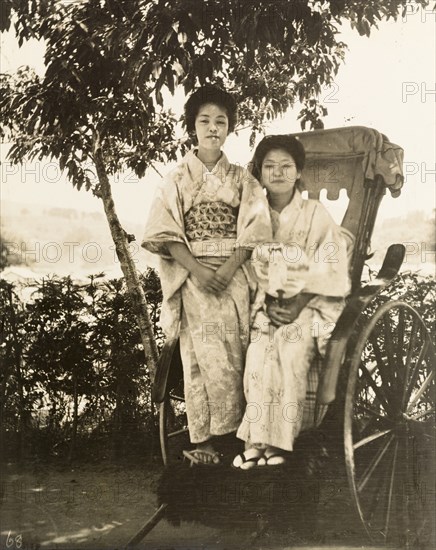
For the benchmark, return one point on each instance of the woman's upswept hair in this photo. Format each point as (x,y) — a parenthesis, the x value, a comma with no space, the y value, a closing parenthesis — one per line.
(288,143)
(210,94)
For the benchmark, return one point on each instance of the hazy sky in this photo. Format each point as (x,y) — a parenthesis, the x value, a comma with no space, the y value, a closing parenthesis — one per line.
(387,82)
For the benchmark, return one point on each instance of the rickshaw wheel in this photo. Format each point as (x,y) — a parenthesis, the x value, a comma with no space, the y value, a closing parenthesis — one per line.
(173,424)
(389,425)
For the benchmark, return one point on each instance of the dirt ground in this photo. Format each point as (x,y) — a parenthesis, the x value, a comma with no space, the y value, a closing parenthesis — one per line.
(101,506)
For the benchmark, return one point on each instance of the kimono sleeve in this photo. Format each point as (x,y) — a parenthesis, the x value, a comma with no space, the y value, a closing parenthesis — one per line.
(328,251)
(165,222)
(254,223)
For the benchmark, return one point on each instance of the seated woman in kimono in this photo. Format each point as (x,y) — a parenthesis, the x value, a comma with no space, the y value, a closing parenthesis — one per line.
(303,278)
(205,220)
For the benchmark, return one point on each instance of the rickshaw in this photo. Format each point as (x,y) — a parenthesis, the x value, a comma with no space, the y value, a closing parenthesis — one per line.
(379,368)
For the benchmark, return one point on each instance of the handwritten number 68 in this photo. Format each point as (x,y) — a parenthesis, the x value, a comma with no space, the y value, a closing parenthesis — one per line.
(14,542)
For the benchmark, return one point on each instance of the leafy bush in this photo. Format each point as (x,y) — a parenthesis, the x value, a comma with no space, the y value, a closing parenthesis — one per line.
(416,290)
(74,367)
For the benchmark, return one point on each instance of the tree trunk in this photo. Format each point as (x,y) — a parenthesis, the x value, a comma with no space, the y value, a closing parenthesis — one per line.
(135,290)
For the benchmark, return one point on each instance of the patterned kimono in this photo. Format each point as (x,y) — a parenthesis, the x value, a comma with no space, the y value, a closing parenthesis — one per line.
(309,253)
(213,213)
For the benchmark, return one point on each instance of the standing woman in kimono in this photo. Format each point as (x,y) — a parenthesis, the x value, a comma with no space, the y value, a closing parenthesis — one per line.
(303,279)
(207,217)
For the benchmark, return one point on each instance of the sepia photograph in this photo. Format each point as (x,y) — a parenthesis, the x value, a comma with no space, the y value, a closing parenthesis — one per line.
(217,274)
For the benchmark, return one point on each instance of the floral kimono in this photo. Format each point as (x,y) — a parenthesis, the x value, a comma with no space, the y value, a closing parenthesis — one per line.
(213,213)
(308,253)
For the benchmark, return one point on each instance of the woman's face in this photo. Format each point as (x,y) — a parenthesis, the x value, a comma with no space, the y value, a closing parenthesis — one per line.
(211,127)
(279,172)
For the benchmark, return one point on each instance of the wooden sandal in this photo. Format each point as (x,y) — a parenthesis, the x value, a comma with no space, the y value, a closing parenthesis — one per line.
(194,458)
(266,460)
(253,461)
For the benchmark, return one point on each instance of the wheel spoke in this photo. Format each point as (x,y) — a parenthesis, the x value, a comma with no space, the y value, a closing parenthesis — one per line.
(370,438)
(415,373)
(372,412)
(408,458)
(389,346)
(368,426)
(413,336)
(375,500)
(420,392)
(410,354)
(177,398)
(400,340)
(378,390)
(391,489)
(178,432)
(373,464)
(382,366)
(400,370)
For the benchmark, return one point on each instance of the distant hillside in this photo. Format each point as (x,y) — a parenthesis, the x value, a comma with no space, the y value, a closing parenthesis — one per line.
(416,231)
(62,240)
(67,241)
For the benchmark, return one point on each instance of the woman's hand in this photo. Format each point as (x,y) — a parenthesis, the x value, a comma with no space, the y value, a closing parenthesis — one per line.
(224,274)
(281,315)
(218,280)
(286,314)
(208,279)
